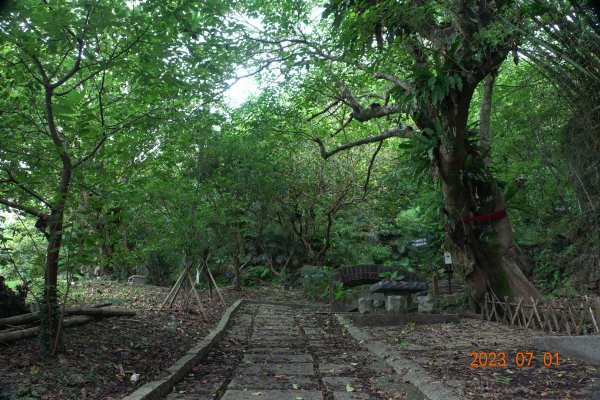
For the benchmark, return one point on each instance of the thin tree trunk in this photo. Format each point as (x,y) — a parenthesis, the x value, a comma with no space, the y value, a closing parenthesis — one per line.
(50,318)
(50,312)
(237,275)
(237,260)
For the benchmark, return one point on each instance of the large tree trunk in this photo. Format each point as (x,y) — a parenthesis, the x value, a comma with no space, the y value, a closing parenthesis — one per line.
(489,256)
(452,51)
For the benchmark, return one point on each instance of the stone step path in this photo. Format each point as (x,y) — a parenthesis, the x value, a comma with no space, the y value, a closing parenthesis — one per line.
(273,352)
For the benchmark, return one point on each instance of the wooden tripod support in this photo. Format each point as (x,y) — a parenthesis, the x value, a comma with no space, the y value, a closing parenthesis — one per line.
(184,282)
(212,279)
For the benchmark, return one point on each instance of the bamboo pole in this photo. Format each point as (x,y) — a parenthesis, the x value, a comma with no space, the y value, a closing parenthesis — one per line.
(597,308)
(592,315)
(485,306)
(537,314)
(566,314)
(508,312)
(517,311)
(208,282)
(528,320)
(579,326)
(495,310)
(582,316)
(553,315)
(174,288)
(200,306)
(216,287)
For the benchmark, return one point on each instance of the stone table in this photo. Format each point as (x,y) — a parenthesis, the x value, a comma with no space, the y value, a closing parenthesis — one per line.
(398,293)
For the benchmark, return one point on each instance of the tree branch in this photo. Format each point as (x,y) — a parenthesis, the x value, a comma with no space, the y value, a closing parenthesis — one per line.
(11,179)
(344,125)
(106,135)
(329,107)
(404,131)
(361,113)
(28,210)
(62,60)
(75,68)
(113,56)
(316,52)
(394,79)
(91,153)
(366,185)
(45,81)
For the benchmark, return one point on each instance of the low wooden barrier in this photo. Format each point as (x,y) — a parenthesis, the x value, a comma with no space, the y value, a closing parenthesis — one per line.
(579,316)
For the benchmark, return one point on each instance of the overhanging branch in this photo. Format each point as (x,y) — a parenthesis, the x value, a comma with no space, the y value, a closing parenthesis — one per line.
(370,168)
(361,113)
(394,79)
(404,131)
(11,179)
(329,107)
(28,210)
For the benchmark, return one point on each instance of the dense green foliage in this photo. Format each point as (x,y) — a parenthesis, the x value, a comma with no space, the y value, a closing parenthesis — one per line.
(119,153)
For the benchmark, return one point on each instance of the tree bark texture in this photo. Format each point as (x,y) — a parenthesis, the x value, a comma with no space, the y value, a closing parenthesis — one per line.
(55,225)
(490,257)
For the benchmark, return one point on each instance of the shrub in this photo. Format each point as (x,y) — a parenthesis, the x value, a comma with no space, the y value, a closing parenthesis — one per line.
(159,270)
(254,275)
(314,280)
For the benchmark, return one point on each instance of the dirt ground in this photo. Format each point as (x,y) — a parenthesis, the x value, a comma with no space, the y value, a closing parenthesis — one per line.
(101,356)
(445,351)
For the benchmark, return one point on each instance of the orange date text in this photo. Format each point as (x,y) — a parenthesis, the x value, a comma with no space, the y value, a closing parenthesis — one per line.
(519,359)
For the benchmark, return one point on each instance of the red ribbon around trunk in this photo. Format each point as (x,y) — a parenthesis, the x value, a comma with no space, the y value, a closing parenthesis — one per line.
(484,217)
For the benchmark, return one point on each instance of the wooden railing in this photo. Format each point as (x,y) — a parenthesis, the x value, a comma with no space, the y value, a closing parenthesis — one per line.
(579,316)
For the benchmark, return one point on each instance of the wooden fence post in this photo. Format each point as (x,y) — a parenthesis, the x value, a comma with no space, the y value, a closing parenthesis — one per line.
(517,313)
(597,309)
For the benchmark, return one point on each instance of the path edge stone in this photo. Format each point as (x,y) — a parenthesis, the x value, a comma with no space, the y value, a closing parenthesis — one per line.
(282,304)
(408,369)
(158,389)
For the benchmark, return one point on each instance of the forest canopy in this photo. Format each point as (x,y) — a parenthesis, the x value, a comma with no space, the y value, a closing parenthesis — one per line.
(383,132)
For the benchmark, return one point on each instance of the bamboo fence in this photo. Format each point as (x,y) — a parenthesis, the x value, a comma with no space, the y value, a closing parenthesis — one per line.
(579,316)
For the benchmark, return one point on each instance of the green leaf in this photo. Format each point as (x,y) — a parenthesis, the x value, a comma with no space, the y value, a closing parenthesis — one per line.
(504,379)
(406,144)
(432,83)
(63,109)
